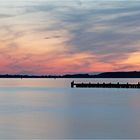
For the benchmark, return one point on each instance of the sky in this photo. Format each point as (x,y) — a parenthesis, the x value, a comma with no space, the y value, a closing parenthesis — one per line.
(69,36)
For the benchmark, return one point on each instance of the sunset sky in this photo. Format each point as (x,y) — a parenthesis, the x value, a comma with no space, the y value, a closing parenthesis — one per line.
(69,36)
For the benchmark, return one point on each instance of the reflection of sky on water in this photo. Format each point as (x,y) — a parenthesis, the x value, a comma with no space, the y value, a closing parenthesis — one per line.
(45,83)
(46,112)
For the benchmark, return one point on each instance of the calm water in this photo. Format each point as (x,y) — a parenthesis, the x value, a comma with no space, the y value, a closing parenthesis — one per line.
(48,108)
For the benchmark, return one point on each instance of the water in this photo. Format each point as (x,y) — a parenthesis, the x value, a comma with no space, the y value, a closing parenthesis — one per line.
(49,108)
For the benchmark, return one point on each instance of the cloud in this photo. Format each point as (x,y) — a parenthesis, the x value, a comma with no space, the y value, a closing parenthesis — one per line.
(5,16)
(108,41)
(107,31)
(52,37)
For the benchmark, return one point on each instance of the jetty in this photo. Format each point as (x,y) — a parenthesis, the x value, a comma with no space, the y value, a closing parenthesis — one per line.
(104,85)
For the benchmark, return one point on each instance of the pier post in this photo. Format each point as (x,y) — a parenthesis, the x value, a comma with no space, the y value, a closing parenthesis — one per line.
(127,86)
(118,85)
(138,86)
(72,84)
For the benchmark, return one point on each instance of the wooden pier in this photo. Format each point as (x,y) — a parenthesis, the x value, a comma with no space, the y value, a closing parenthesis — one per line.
(104,85)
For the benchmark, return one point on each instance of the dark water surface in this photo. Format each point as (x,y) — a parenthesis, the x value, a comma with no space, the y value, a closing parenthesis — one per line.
(48,108)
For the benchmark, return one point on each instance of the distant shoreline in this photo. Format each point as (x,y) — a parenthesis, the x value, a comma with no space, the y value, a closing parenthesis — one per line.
(132,74)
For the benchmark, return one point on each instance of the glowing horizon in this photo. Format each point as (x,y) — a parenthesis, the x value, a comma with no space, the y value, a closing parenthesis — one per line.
(76,36)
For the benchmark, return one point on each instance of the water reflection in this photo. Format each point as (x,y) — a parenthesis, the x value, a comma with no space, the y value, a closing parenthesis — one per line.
(61,112)
(59,82)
